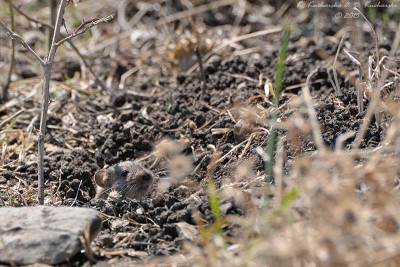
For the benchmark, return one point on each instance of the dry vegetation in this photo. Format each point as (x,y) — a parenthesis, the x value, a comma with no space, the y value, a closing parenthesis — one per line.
(336,193)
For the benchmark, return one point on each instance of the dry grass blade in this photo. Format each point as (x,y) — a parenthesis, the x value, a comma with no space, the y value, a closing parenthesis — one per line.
(312,114)
(336,84)
(342,138)
(375,37)
(375,96)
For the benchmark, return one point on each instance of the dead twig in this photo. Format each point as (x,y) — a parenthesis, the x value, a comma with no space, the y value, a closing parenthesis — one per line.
(73,46)
(319,142)
(84,27)
(11,118)
(16,37)
(47,66)
(375,95)
(4,94)
(77,193)
(53,17)
(47,69)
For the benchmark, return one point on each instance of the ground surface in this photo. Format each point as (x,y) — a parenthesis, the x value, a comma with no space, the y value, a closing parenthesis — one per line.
(217,126)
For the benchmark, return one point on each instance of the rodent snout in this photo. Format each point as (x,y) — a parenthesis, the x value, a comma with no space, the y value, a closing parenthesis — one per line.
(146,176)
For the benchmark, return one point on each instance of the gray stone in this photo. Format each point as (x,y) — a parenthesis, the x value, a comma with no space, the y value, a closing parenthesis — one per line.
(187,231)
(47,235)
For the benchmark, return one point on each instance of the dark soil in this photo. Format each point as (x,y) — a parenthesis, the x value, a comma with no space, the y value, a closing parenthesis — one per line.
(89,129)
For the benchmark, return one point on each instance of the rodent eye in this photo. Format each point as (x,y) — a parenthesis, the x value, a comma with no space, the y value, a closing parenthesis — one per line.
(125,173)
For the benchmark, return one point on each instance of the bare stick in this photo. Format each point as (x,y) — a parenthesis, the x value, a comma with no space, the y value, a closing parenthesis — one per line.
(53,17)
(77,193)
(87,65)
(73,46)
(30,18)
(45,93)
(18,38)
(341,139)
(125,76)
(10,118)
(45,99)
(313,116)
(85,27)
(4,94)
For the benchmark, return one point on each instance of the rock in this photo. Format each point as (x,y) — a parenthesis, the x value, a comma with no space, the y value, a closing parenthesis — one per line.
(47,235)
(187,231)
(118,224)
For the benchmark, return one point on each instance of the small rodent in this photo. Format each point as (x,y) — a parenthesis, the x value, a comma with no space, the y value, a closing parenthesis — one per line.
(126,180)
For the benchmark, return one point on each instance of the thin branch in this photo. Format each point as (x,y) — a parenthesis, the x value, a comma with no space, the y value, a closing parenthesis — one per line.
(45,101)
(84,27)
(87,65)
(53,17)
(18,38)
(30,18)
(73,46)
(11,118)
(77,193)
(4,95)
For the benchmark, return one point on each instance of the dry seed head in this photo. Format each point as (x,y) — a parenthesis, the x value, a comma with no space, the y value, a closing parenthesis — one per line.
(164,185)
(229,192)
(244,172)
(246,119)
(167,148)
(246,113)
(180,166)
(258,190)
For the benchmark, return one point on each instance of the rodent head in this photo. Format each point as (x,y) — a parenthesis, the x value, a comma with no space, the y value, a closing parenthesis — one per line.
(129,179)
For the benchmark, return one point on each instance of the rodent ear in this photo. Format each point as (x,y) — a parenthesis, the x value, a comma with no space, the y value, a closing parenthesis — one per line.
(101,178)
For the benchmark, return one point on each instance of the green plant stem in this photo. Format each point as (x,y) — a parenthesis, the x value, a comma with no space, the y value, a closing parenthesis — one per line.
(269,165)
(214,203)
(273,136)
